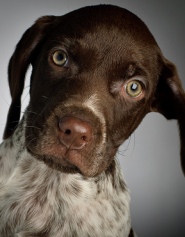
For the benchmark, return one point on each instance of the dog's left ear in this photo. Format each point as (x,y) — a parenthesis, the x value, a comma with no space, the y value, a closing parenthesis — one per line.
(19,62)
(169,100)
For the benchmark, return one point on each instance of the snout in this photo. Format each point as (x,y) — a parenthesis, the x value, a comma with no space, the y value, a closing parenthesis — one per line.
(70,138)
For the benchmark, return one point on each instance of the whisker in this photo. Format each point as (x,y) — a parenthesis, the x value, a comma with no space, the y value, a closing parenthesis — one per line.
(33,127)
(5,100)
(15,121)
(122,151)
(133,144)
(45,97)
(31,141)
(31,112)
(26,87)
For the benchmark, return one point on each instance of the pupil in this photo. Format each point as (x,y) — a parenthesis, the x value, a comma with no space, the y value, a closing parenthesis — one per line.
(60,57)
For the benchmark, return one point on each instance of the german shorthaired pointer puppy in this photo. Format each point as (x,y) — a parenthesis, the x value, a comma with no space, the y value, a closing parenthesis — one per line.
(97,72)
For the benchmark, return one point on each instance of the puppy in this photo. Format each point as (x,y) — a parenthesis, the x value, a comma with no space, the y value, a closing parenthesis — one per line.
(96,72)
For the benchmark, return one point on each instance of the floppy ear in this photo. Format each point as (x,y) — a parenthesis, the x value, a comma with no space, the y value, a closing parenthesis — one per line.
(18,66)
(169,100)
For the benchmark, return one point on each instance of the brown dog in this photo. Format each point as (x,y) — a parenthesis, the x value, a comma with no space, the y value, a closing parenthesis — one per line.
(97,72)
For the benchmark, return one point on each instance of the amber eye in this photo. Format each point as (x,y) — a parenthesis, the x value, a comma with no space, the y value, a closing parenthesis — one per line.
(60,58)
(134,88)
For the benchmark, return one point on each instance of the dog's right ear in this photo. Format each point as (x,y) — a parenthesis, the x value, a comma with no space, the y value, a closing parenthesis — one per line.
(18,66)
(169,100)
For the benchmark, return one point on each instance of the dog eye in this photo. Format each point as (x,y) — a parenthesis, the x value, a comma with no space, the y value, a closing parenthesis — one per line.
(60,58)
(134,88)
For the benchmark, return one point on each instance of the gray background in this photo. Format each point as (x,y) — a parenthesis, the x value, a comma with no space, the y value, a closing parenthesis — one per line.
(150,158)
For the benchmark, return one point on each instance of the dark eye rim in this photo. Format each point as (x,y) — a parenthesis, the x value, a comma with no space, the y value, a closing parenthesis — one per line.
(66,62)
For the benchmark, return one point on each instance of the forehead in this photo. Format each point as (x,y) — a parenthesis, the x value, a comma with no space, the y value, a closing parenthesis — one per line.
(104,27)
(107,19)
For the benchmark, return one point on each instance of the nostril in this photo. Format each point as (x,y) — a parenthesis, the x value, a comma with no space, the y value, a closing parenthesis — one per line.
(67,131)
(84,138)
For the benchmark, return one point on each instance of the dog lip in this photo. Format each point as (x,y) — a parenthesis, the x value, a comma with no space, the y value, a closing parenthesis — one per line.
(66,158)
(61,160)
(64,162)
(68,147)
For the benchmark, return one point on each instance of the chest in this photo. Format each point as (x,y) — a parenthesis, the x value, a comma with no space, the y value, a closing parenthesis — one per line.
(36,199)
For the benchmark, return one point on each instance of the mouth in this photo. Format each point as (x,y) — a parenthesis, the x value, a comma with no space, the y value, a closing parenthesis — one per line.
(67,161)
(56,162)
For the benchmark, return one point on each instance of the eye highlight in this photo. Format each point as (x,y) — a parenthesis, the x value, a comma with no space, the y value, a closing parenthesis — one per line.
(60,58)
(134,88)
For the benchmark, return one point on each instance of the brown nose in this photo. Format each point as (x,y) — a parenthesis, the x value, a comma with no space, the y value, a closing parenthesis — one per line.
(74,132)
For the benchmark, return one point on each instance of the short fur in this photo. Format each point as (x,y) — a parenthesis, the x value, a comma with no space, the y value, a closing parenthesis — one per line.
(51,183)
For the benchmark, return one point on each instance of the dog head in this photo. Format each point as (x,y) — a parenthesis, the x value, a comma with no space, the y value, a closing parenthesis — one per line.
(97,72)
